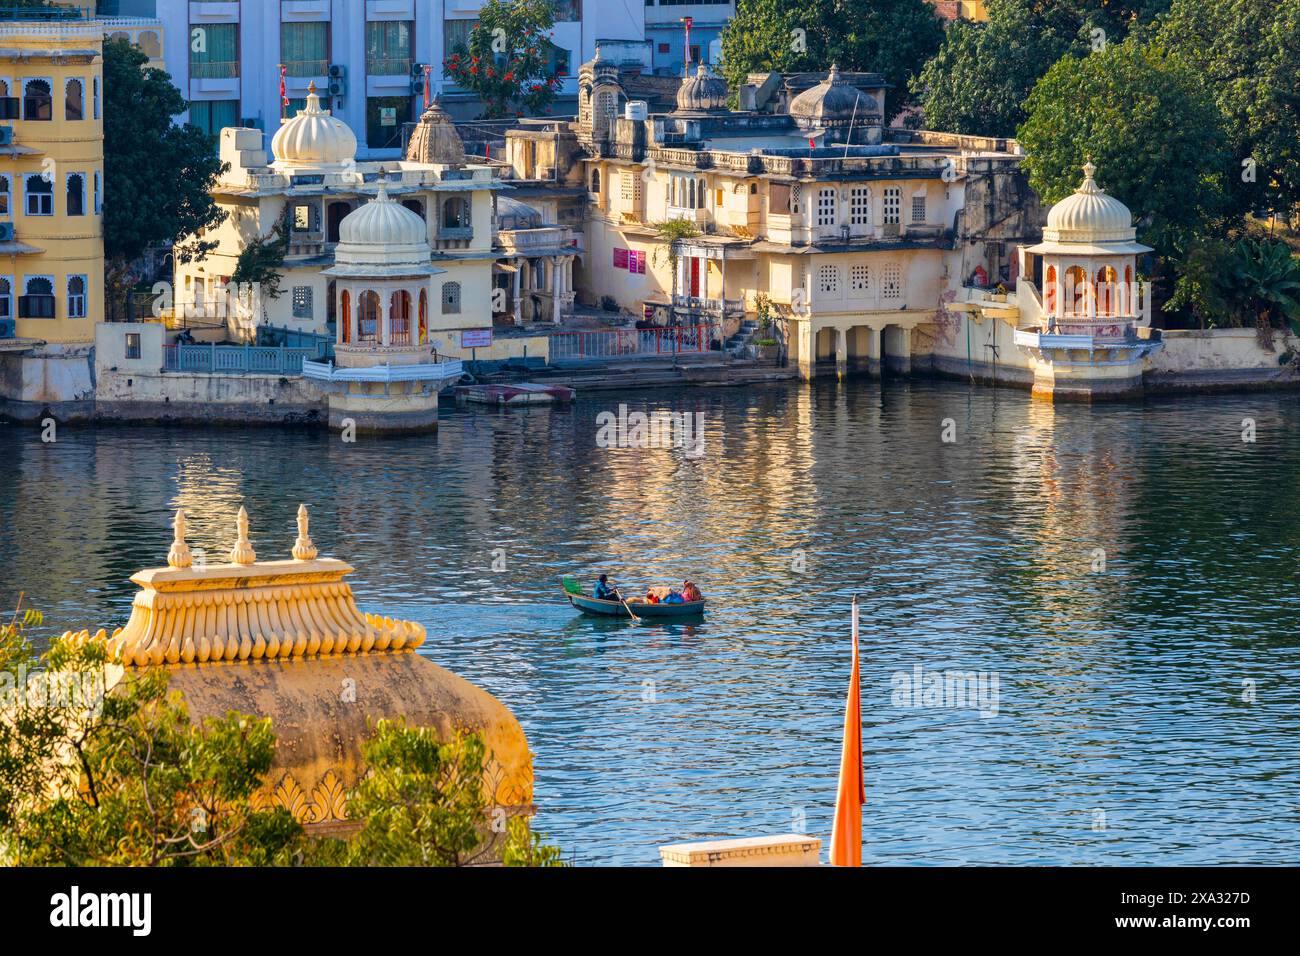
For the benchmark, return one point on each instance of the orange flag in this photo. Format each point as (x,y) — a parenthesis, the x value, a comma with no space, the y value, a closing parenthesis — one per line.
(846,832)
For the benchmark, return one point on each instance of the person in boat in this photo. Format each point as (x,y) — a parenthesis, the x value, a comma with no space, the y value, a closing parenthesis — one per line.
(674,597)
(651,597)
(690,593)
(604,591)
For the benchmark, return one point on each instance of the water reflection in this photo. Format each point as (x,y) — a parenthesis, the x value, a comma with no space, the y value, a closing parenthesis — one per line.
(1120,690)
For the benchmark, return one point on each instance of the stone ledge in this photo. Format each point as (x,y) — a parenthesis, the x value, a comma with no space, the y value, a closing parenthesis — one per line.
(784,849)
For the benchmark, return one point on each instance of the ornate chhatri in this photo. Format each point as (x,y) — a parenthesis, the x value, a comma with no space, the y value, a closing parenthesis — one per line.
(251,610)
(285,639)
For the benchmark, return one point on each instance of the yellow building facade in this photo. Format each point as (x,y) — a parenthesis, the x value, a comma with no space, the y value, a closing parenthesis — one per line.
(51,180)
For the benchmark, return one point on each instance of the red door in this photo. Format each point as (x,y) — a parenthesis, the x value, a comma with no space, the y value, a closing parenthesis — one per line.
(695,278)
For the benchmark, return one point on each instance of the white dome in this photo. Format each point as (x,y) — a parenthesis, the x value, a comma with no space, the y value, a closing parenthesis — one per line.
(382,222)
(382,238)
(313,138)
(1089,216)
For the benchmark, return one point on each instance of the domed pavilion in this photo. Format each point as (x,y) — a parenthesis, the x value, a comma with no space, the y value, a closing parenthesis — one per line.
(1087,343)
(383,376)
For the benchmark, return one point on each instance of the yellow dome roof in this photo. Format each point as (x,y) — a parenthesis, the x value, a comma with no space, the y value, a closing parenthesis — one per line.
(313,138)
(1089,216)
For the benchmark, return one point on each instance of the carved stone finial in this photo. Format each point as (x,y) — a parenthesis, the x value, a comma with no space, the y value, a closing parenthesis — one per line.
(179,556)
(303,549)
(311,87)
(242,552)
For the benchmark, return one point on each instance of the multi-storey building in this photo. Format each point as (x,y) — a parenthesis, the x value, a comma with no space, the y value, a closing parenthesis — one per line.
(365,56)
(669,24)
(51,199)
(854,237)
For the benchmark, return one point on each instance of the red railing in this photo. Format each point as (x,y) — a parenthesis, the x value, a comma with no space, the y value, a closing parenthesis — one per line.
(631,343)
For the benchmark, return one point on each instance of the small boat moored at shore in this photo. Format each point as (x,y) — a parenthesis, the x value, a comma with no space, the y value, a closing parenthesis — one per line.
(524,393)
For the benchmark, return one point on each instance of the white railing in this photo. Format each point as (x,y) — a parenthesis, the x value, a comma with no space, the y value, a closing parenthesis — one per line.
(384,374)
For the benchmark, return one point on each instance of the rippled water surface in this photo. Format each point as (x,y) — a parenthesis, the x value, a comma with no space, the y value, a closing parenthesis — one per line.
(1124,730)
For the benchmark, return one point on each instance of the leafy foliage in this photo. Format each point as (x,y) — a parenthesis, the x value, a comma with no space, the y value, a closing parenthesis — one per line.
(1244,53)
(424,804)
(125,778)
(506,60)
(158,176)
(262,259)
(1147,124)
(981,76)
(890,37)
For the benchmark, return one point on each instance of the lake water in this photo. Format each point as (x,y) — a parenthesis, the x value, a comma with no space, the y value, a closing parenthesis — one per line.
(1127,573)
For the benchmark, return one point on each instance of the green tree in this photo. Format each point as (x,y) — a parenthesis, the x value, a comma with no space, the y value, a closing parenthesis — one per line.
(425,804)
(889,37)
(978,81)
(261,261)
(509,60)
(123,777)
(158,176)
(1245,53)
(1147,125)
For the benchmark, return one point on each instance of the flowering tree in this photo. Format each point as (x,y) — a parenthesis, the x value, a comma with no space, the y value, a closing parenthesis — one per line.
(508,60)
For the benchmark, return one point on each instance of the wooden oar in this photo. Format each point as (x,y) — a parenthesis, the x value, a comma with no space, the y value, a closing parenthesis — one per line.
(626,608)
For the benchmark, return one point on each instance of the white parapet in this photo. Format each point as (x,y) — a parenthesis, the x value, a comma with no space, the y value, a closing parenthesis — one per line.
(783,849)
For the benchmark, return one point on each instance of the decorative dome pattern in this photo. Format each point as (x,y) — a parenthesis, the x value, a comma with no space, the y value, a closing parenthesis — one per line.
(702,92)
(382,222)
(830,100)
(513,214)
(313,138)
(435,139)
(1089,215)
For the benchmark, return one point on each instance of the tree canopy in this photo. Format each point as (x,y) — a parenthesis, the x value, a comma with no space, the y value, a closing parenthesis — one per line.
(158,176)
(1245,55)
(508,60)
(1147,124)
(979,79)
(890,37)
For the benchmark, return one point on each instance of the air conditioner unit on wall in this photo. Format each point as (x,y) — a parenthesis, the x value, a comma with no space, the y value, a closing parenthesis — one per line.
(6,135)
(6,232)
(338,71)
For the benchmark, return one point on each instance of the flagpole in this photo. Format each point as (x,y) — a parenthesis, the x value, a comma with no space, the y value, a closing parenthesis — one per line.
(846,831)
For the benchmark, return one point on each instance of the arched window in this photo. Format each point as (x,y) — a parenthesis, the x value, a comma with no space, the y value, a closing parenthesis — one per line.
(1049,290)
(399,318)
(76,194)
(455,213)
(539,275)
(1076,291)
(451,298)
(38,300)
(424,316)
(74,100)
(345,316)
(368,317)
(6,299)
(150,45)
(415,205)
(76,297)
(38,100)
(1107,293)
(39,196)
(595,181)
(699,194)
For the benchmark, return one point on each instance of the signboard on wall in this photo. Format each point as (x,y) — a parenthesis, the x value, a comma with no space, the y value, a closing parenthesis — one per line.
(387,116)
(620,258)
(476,339)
